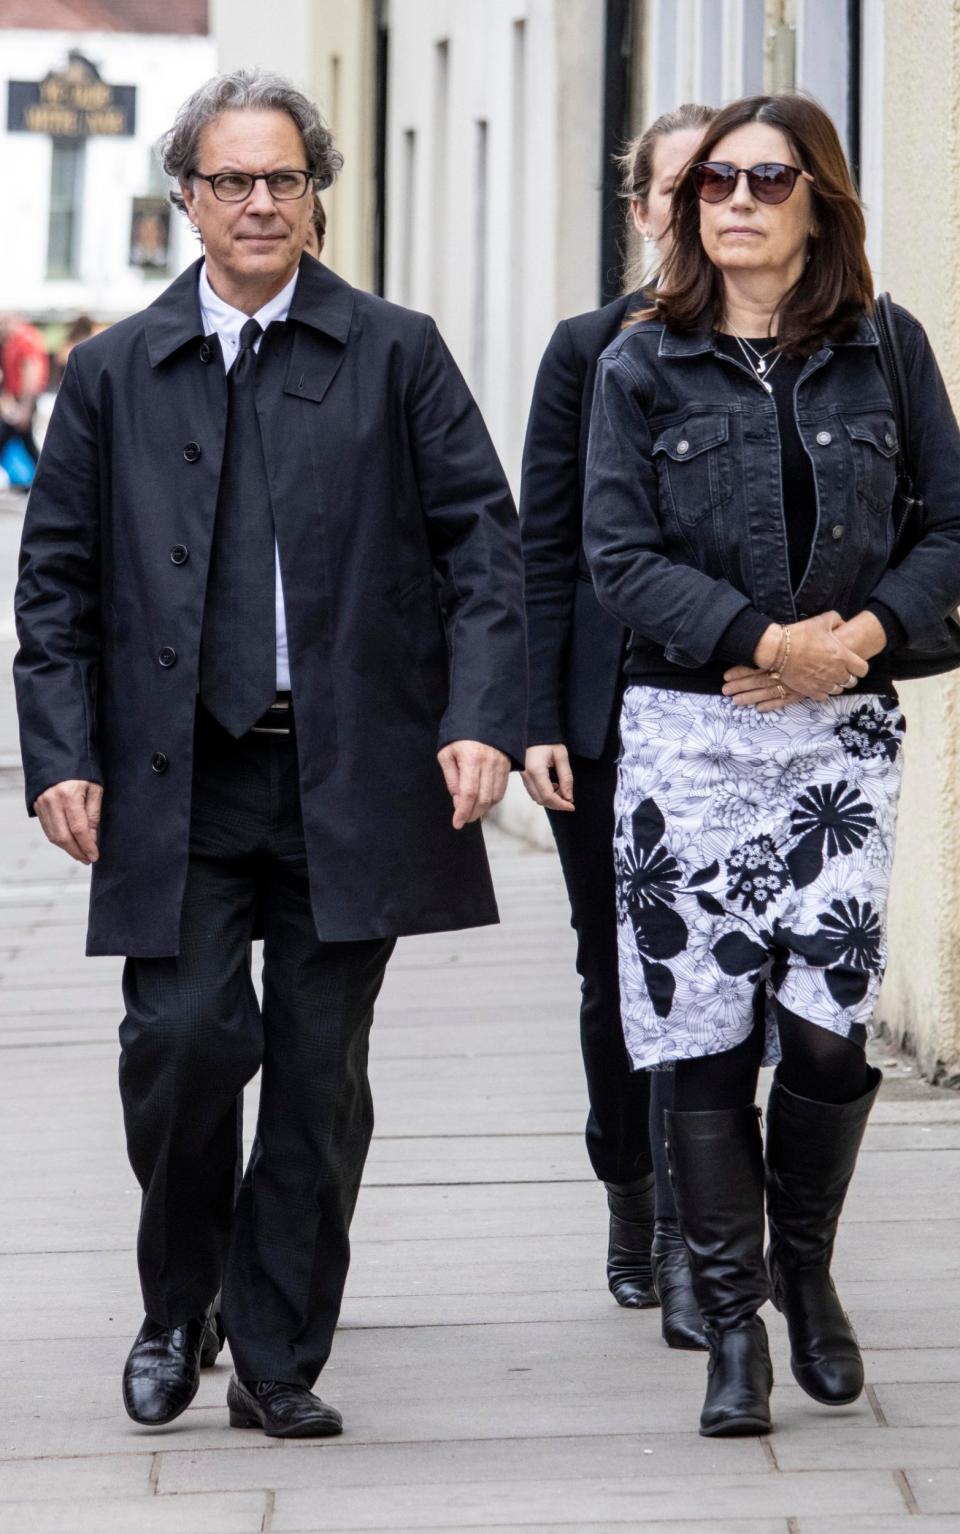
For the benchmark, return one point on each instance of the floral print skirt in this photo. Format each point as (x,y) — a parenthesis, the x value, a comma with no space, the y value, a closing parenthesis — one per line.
(751,848)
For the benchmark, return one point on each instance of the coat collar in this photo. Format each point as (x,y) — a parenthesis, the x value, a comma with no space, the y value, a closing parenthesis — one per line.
(694,343)
(321,300)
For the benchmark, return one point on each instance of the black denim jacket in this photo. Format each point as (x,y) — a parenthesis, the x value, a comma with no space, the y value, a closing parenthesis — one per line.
(683,508)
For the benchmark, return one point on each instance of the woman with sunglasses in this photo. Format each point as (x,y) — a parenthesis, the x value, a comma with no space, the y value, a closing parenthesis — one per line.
(576,660)
(740,483)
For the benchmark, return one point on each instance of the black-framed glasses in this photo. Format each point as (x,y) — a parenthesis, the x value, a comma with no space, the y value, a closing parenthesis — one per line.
(714,180)
(236,185)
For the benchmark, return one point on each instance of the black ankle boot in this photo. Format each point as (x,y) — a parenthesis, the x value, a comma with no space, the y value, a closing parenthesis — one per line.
(811,1153)
(629,1273)
(681,1324)
(716,1164)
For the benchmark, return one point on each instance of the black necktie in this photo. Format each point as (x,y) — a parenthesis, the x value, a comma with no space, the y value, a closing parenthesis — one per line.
(238,647)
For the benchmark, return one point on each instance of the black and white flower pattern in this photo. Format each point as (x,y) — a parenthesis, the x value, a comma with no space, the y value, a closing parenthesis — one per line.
(751,848)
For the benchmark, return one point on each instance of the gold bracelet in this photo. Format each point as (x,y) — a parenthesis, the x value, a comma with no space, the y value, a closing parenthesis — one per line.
(783,653)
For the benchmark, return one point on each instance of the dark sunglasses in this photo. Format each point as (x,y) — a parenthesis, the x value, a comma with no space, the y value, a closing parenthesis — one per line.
(714,180)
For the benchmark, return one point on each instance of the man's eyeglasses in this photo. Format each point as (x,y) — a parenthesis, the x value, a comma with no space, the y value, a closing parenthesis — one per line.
(236,185)
(714,180)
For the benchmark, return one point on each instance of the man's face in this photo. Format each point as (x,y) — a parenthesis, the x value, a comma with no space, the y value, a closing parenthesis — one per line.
(257,240)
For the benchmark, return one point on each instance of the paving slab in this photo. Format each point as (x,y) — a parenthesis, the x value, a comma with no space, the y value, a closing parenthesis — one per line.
(486,1377)
(633,1498)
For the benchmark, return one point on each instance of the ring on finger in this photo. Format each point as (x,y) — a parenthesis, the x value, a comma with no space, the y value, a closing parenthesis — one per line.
(851,681)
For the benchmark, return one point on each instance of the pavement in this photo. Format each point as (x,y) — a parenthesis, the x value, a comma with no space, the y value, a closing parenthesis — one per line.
(486,1377)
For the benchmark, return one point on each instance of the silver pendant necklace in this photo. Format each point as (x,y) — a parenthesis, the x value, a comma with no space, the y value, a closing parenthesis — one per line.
(758,360)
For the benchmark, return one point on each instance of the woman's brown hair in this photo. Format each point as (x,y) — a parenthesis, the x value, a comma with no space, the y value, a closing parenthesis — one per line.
(636,171)
(835,288)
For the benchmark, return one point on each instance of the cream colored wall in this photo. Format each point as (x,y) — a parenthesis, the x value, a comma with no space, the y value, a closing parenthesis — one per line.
(328,49)
(343,77)
(915,244)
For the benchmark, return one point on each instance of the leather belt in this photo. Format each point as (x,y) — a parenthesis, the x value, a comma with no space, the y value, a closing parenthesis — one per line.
(278,719)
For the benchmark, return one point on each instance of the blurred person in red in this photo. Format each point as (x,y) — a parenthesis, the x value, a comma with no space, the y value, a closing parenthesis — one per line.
(25,367)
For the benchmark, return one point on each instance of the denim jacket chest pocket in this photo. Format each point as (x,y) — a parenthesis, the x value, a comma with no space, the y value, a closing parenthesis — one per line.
(874,443)
(693,466)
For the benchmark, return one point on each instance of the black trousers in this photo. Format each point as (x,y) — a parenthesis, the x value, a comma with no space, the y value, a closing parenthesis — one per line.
(618,1139)
(194,1035)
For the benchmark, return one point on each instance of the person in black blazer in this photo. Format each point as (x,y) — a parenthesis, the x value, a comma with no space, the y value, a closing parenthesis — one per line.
(576,654)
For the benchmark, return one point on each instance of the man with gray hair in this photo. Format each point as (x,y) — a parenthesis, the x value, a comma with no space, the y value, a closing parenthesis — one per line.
(271,634)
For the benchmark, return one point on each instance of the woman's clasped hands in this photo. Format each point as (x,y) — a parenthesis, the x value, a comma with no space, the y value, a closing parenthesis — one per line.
(815,658)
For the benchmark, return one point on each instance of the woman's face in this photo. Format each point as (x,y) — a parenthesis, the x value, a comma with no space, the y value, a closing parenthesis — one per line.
(743,235)
(671,153)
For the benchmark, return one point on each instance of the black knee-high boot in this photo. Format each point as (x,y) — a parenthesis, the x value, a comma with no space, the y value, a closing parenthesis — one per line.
(629,1273)
(716,1160)
(811,1153)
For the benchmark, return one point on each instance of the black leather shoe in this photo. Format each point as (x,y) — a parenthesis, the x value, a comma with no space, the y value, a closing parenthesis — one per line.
(812,1150)
(629,1273)
(739,1382)
(162,1373)
(681,1324)
(281,1410)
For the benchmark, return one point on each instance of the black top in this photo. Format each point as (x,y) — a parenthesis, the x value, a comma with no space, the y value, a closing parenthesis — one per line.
(576,648)
(648,666)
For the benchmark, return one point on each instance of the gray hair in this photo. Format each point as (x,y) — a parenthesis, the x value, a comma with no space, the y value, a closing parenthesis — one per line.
(246,90)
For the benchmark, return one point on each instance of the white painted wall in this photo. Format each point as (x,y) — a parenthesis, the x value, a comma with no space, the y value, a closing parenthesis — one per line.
(497,280)
(274,36)
(165,70)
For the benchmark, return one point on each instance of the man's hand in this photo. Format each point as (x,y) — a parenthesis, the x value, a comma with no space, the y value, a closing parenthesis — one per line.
(476,777)
(70,816)
(543,764)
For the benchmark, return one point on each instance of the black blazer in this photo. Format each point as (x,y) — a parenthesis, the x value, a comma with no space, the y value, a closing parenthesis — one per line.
(383,479)
(575,648)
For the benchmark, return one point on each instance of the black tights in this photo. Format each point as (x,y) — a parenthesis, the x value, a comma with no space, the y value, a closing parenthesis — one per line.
(815,1064)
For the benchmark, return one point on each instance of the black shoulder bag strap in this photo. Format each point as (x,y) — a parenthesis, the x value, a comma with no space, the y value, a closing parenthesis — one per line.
(907,508)
(912,662)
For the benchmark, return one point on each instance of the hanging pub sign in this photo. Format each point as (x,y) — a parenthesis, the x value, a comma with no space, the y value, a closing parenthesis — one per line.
(72,103)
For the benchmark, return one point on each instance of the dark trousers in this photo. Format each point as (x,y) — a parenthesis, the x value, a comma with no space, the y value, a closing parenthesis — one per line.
(192,1038)
(618,1140)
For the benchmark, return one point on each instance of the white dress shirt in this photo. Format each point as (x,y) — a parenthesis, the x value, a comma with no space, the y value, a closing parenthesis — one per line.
(228,323)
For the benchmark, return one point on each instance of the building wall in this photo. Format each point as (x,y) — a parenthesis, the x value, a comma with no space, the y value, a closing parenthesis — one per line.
(915,244)
(343,53)
(328,49)
(164,69)
(494,120)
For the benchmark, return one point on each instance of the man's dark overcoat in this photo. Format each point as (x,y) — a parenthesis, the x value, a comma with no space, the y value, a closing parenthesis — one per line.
(399,554)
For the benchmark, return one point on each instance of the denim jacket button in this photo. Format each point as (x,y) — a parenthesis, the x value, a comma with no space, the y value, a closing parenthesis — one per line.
(824,438)
(684,446)
(890,439)
(836,531)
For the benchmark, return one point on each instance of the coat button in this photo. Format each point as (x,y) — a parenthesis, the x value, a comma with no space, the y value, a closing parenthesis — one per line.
(824,438)
(179,554)
(836,531)
(683,447)
(159,762)
(191,451)
(167,656)
(206,352)
(889,439)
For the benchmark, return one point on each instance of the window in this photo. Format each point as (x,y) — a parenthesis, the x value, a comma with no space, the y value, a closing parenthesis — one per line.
(66,185)
(409,215)
(480,228)
(441,131)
